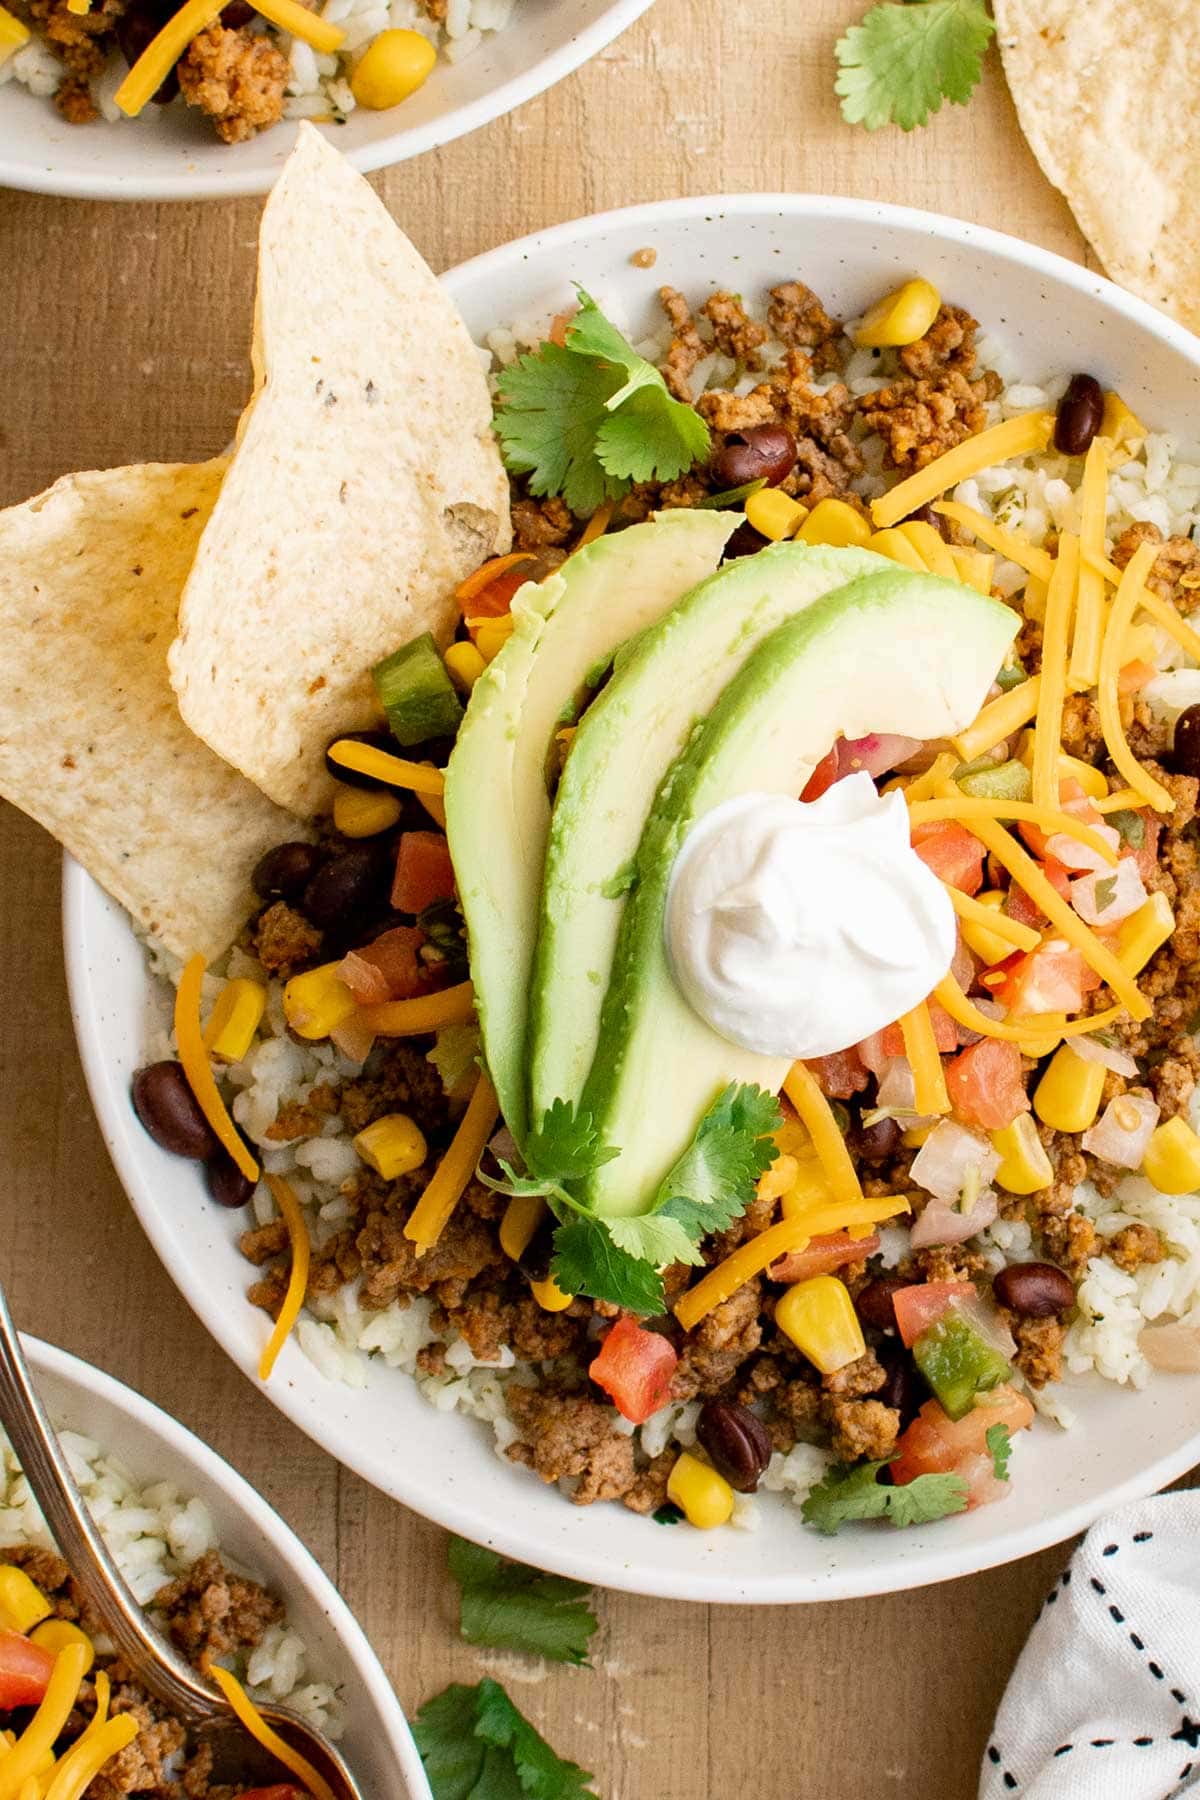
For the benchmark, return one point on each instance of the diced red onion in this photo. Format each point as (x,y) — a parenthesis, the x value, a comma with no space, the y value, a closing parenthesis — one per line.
(1174,1347)
(896,1085)
(877,753)
(1090,1049)
(1125,895)
(943,1223)
(353,1039)
(944,1163)
(1121,1134)
(988,1321)
(1074,855)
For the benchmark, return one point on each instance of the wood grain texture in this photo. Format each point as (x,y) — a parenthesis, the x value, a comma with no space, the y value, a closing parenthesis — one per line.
(126,329)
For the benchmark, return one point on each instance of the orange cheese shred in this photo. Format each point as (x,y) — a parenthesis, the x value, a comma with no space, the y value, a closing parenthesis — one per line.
(489,572)
(1089,598)
(193,1058)
(596,526)
(1021,937)
(999,719)
(162,53)
(1055,636)
(1025,435)
(432,1211)
(920,1047)
(397,771)
(297,1287)
(1009,544)
(243,1707)
(1021,1029)
(815,1112)
(1126,600)
(426,1012)
(969,809)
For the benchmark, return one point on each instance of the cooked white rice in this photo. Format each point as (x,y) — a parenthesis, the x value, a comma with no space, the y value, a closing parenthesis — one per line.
(156,1533)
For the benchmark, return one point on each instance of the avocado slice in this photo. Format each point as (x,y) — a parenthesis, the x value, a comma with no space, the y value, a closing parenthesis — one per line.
(497,791)
(631,733)
(893,652)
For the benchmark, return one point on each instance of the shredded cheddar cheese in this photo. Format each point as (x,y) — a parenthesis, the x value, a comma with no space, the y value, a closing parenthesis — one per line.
(596,526)
(309,27)
(432,1211)
(1010,544)
(923,787)
(1108,693)
(976,567)
(1022,1029)
(243,1708)
(1162,611)
(1124,800)
(397,771)
(193,1058)
(1055,635)
(487,573)
(999,719)
(1021,937)
(34,1749)
(815,1112)
(920,1047)
(162,53)
(12,34)
(293,1300)
(1025,435)
(1084,666)
(1047,818)
(408,1018)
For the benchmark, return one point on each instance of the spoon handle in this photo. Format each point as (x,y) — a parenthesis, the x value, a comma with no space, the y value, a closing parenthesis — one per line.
(45,1466)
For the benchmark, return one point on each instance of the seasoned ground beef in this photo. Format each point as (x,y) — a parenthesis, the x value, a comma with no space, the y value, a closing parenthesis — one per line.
(237,78)
(73,100)
(540,525)
(284,941)
(799,320)
(405,1081)
(861,1428)
(1175,573)
(1136,1245)
(1039,1348)
(735,333)
(84,41)
(712,1354)
(687,347)
(940,399)
(566,1436)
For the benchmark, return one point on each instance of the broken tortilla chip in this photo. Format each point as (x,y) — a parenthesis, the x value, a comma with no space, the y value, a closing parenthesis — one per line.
(365,485)
(91,742)
(1106,95)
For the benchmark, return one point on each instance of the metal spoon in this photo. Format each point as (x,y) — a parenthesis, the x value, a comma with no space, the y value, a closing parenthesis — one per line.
(156,1664)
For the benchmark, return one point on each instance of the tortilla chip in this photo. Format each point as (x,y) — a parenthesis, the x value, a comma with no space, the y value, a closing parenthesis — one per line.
(365,485)
(91,742)
(1106,95)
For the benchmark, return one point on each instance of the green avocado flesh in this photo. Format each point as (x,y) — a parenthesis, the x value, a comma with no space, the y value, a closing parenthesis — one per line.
(497,793)
(631,733)
(889,652)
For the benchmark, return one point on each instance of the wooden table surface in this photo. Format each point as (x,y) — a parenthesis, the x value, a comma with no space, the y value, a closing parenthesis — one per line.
(125,338)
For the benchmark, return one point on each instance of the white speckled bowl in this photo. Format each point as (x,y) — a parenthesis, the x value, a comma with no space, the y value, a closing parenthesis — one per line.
(377,1743)
(172,153)
(1057,317)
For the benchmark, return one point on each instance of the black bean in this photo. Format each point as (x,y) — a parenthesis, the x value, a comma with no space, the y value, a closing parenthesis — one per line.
(875,1143)
(744,542)
(226,1183)
(285,872)
(1185,756)
(737,1441)
(763,453)
(347,888)
(1035,1290)
(903,1387)
(874,1303)
(378,740)
(135,28)
(169,1110)
(236,14)
(534,1260)
(925,515)
(1079,414)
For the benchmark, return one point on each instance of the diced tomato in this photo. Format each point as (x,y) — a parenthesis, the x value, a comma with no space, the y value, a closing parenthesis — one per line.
(945,1032)
(1053,978)
(424,871)
(387,969)
(1135,675)
(283,1790)
(822,777)
(839,1075)
(634,1367)
(25,1670)
(1071,799)
(493,601)
(823,1255)
(953,853)
(1146,855)
(919,1307)
(986,1085)
(935,1444)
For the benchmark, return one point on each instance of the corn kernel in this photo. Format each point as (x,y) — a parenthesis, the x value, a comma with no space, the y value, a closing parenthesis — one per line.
(365,812)
(819,1317)
(522,1216)
(931,547)
(1068,1095)
(1121,427)
(393,1145)
(774,1182)
(988,946)
(1024,1166)
(809,1187)
(464,665)
(704,1497)
(1172,1160)
(898,548)
(915,1136)
(317,1002)
(835,522)
(22,1603)
(394,65)
(1144,932)
(12,34)
(774,514)
(900,317)
(235,1018)
(56,1634)
(491,635)
(1038,1048)
(549,1295)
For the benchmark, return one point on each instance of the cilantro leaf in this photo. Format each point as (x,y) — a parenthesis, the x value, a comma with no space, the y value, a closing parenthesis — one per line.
(1131,825)
(475,1745)
(565,1146)
(585,418)
(1106,891)
(998,1439)
(506,1606)
(903,60)
(655,1238)
(846,1494)
(587,1261)
(713,1182)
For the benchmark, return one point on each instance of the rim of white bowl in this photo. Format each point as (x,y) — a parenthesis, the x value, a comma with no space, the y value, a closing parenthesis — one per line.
(118,1125)
(382,153)
(177,1440)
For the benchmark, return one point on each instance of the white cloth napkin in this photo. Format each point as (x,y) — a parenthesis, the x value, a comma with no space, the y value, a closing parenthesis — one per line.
(1104,1703)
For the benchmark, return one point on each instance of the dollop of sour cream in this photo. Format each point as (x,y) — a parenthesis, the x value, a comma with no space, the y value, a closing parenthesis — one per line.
(796,929)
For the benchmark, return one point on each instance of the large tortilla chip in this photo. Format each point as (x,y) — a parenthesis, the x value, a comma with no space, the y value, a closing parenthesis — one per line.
(365,485)
(1106,92)
(91,742)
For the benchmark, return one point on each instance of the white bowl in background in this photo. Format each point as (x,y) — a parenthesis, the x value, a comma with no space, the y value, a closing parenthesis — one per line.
(172,152)
(377,1743)
(1054,317)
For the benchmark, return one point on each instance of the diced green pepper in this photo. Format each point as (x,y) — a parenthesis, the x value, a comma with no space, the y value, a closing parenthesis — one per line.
(417,694)
(995,781)
(958,1363)
(1012,675)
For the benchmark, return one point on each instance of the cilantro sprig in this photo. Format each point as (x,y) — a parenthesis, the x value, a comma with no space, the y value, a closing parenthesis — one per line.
(848,1494)
(475,1745)
(586,418)
(907,56)
(998,1439)
(505,1606)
